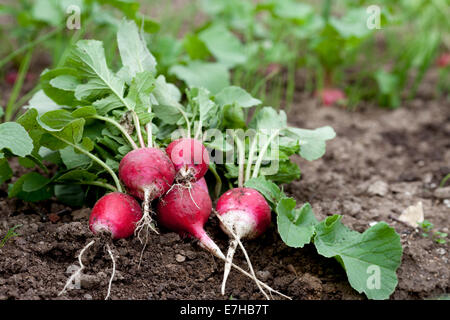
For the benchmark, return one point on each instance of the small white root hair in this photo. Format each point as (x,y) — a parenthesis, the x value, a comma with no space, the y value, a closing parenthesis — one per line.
(113,271)
(77,273)
(227,267)
(145,223)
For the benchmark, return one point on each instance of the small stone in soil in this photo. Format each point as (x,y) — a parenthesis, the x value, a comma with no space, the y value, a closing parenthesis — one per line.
(442,193)
(263,275)
(180,258)
(378,188)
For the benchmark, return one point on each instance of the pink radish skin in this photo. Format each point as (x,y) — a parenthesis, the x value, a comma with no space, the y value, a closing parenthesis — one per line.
(244,210)
(115,213)
(330,96)
(185,210)
(146,169)
(190,158)
(246,213)
(202,183)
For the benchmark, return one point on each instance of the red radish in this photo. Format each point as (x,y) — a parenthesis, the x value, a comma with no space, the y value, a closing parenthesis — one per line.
(11,77)
(190,158)
(146,170)
(330,96)
(243,213)
(444,60)
(185,210)
(202,183)
(116,213)
(147,173)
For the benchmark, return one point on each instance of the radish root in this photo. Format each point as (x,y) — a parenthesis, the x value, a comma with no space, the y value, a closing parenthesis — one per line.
(113,271)
(230,255)
(77,273)
(227,267)
(146,221)
(186,185)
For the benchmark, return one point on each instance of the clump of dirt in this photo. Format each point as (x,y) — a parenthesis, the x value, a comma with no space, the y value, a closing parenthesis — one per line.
(380,163)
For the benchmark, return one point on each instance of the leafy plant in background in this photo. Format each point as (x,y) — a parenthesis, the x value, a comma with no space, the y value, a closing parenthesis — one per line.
(42,24)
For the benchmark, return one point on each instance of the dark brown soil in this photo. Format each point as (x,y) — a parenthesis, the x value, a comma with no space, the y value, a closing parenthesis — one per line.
(408,149)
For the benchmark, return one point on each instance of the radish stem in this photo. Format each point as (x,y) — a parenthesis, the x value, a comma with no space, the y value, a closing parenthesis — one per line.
(148,128)
(138,128)
(251,153)
(24,65)
(120,127)
(262,153)
(96,159)
(98,184)
(241,159)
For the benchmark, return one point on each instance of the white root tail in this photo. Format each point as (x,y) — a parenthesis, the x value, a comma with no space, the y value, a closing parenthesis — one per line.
(238,241)
(145,223)
(113,271)
(227,267)
(207,243)
(77,273)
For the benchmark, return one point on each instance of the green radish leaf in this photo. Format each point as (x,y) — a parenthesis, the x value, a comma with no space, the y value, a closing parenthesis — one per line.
(224,45)
(165,93)
(59,85)
(312,142)
(29,121)
(42,103)
(287,172)
(233,117)
(48,11)
(84,112)
(34,182)
(370,259)
(1,111)
(88,58)
(55,120)
(15,138)
(268,189)
(201,102)
(212,76)
(295,226)
(5,171)
(195,48)
(133,49)
(26,163)
(236,95)
(139,94)
(268,118)
(72,159)
(167,114)
(76,175)
(292,10)
(38,186)
(71,195)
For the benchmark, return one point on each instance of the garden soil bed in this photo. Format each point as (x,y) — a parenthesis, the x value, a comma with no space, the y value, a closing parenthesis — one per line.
(380,163)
